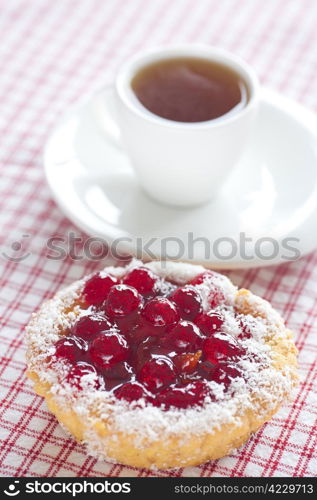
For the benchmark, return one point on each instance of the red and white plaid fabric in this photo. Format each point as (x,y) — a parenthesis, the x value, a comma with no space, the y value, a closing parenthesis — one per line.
(55,53)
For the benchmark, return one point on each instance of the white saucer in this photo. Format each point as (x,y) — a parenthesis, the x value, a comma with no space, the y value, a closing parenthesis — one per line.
(272,192)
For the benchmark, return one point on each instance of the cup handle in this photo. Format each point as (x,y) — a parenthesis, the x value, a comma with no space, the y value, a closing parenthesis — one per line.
(105,112)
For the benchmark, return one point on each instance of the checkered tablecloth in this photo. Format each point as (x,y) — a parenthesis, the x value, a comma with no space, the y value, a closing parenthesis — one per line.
(55,53)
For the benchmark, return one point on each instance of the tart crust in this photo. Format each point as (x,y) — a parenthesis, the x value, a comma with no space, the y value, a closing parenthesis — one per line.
(179,437)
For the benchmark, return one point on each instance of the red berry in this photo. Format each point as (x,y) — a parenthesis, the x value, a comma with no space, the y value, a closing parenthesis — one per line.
(143,280)
(159,314)
(157,373)
(122,301)
(132,391)
(107,349)
(185,336)
(209,323)
(82,373)
(70,348)
(200,278)
(188,301)
(88,326)
(191,394)
(224,373)
(96,289)
(221,347)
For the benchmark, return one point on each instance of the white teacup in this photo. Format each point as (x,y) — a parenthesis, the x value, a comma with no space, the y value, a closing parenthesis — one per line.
(179,163)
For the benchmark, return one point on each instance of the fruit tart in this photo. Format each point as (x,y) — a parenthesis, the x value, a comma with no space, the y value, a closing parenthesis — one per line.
(160,365)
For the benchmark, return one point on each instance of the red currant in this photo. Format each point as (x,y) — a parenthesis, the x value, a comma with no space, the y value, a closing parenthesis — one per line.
(131,391)
(107,349)
(88,326)
(70,348)
(97,287)
(185,336)
(122,301)
(191,394)
(209,323)
(159,314)
(221,347)
(157,373)
(83,372)
(188,301)
(143,280)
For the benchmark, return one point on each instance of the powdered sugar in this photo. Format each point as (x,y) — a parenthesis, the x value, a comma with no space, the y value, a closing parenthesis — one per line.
(261,389)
